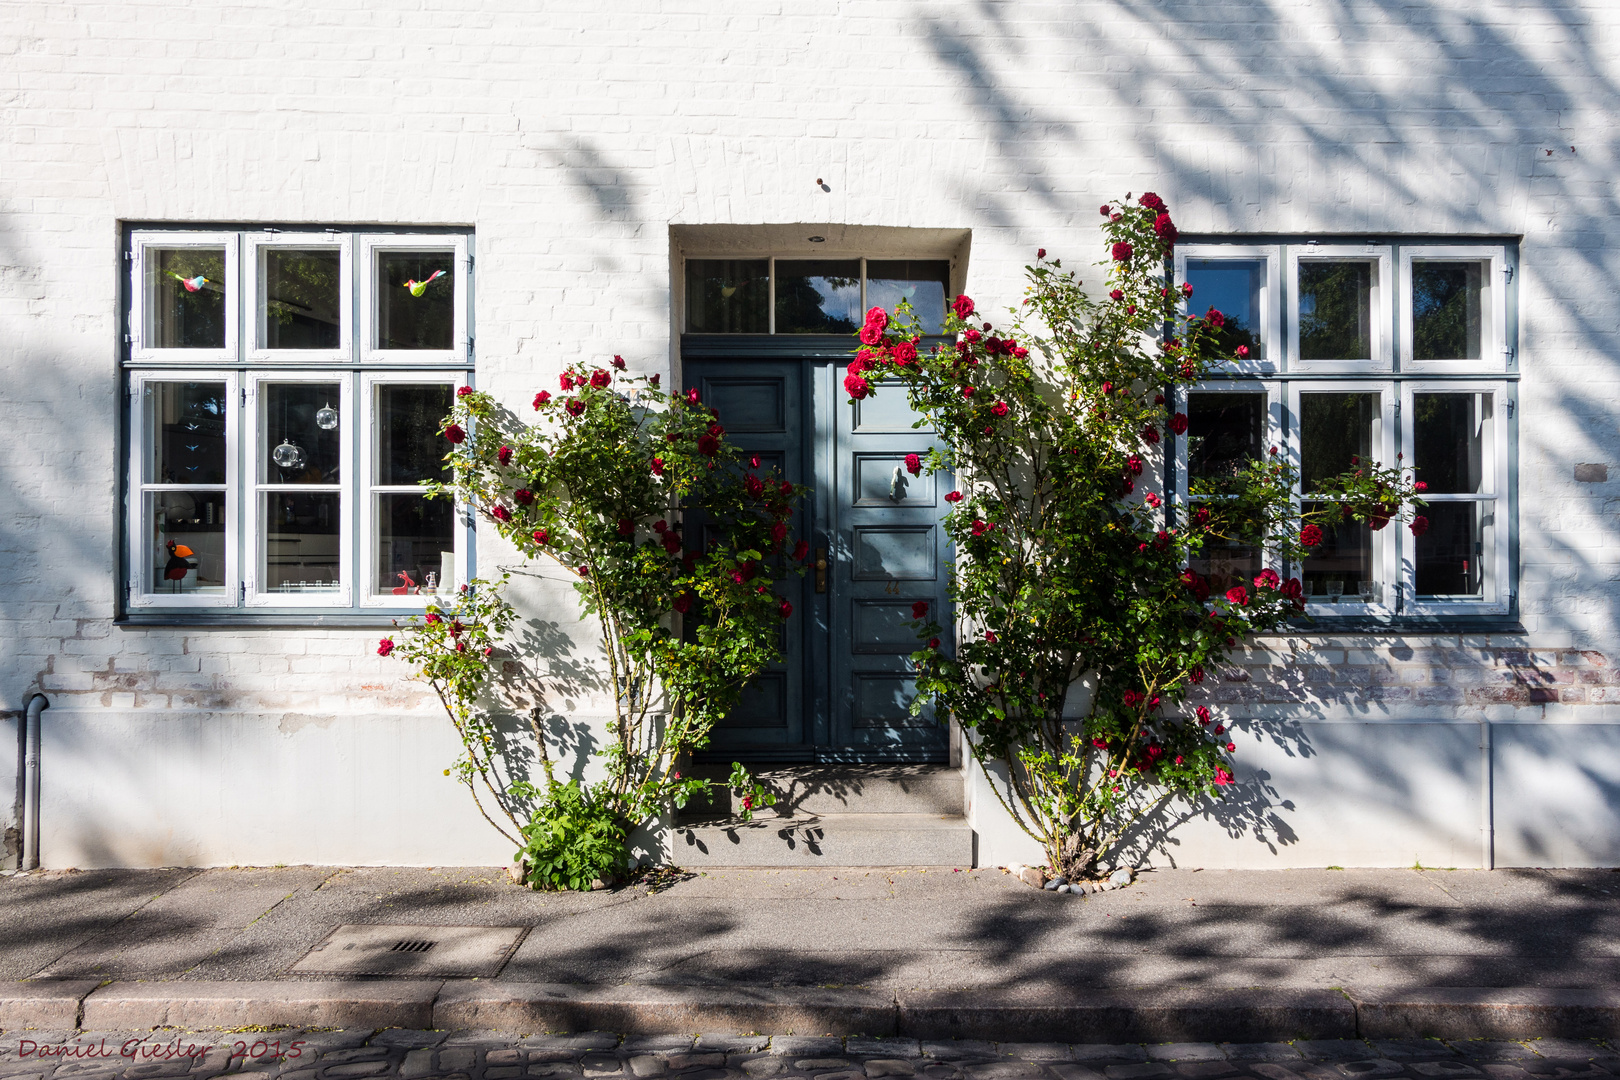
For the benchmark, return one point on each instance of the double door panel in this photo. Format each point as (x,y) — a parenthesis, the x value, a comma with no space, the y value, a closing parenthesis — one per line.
(844,688)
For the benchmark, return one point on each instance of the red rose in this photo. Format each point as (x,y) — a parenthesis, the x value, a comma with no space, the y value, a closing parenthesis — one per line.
(953,496)
(385,646)
(503,455)
(1178,423)
(981,527)
(1165,229)
(778,532)
(1214,318)
(1419,526)
(1151,201)
(654,380)
(967,391)
(566,381)
(1242,352)
(463,391)
(456,629)
(1122,252)
(877,317)
(905,353)
(1105,210)
(1196,675)
(1200,517)
(618,362)
(1238,595)
(683,603)
(461,646)
(1116,294)
(600,378)
(801,550)
(500,513)
(584,571)
(962,306)
(1130,309)
(1292,588)
(856,387)
(990,636)
(1134,464)
(1267,579)
(541,398)
(455,434)
(660,526)
(708,445)
(541,536)
(1310,535)
(523,496)
(913,464)
(626,526)
(933,643)
(672,543)
(919,609)
(871,335)
(658,466)
(431,618)
(692,396)
(1151,434)
(999,409)
(784,609)
(575,407)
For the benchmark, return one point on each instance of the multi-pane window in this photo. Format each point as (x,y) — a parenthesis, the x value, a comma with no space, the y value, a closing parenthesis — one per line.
(286,392)
(1365,352)
(810,296)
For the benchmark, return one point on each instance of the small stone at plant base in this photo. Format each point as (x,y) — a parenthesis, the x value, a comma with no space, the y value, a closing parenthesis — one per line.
(1120,878)
(515,872)
(1076,889)
(1032,876)
(1054,883)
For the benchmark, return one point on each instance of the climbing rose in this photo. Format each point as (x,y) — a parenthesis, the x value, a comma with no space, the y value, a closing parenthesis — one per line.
(1242,352)
(913,464)
(1214,318)
(1420,486)
(455,434)
(1116,294)
(754,486)
(1165,229)
(654,379)
(999,409)
(801,550)
(541,536)
(953,496)
(692,396)
(905,353)
(660,526)
(1040,253)
(1105,210)
(919,609)
(779,532)
(876,316)
(541,398)
(500,513)
(1122,252)
(683,603)
(1202,713)
(785,609)
(1152,500)
(618,362)
(1238,595)
(871,334)
(584,571)
(1222,778)
(1200,517)
(600,378)
(385,646)
(933,643)
(856,387)
(672,543)
(1310,535)
(1196,675)
(1268,579)
(566,381)
(1178,423)
(708,445)
(962,306)
(463,391)
(980,527)
(523,496)
(967,391)
(503,455)
(1292,588)
(576,407)
(1151,435)
(1420,525)
(990,636)
(626,526)
(658,466)
(1151,201)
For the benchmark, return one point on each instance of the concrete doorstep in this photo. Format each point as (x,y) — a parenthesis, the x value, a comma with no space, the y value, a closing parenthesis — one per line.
(1034,1015)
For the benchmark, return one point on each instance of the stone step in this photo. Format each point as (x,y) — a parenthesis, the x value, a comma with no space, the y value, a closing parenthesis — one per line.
(845,789)
(804,840)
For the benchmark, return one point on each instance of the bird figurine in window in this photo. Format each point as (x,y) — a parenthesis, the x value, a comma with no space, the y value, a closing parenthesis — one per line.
(419,287)
(405,589)
(192,284)
(177,567)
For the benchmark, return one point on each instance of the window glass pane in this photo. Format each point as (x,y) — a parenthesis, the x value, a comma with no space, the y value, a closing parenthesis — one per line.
(1224,433)
(301,539)
(185,298)
(1340,569)
(925,283)
(1232,287)
(1333,429)
(1449,442)
(1447,310)
(186,541)
(301,295)
(1448,558)
(409,449)
(728,296)
(416,300)
(1227,564)
(415,538)
(300,436)
(185,426)
(819,296)
(1335,310)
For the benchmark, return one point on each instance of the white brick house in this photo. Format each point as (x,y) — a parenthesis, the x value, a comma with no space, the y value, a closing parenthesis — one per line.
(570,162)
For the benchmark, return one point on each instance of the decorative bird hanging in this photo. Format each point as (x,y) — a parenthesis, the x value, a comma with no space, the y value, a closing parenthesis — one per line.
(419,287)
(192,284)
(177,567)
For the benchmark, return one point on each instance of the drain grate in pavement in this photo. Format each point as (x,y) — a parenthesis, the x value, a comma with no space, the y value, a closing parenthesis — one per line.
(360,949)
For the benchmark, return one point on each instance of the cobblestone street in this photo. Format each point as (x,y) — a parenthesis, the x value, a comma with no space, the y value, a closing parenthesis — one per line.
(422,1055)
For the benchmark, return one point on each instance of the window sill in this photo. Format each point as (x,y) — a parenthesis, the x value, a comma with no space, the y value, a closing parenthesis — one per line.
(348,620)
(1328,625)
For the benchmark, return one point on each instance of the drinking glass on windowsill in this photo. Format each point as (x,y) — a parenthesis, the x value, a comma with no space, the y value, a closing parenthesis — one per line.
(1335,590)
(1367,590)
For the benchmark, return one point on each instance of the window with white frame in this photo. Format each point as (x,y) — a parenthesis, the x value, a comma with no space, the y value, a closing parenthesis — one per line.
(286,390)
(1387,351)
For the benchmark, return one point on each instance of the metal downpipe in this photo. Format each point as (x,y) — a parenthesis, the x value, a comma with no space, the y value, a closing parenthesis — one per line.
(30,853)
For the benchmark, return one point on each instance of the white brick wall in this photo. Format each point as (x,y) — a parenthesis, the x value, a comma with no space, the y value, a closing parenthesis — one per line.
(573,135)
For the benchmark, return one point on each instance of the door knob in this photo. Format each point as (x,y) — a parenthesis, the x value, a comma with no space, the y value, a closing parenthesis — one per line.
(821,570)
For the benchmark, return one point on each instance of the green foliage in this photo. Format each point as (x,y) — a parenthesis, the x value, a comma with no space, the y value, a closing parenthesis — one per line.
(1080,627)
(751,792)
(571,842)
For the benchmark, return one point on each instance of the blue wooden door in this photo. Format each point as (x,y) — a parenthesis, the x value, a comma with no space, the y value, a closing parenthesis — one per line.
(843,689)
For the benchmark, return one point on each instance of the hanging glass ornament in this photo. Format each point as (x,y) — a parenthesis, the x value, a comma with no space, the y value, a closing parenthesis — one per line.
(326,418)
(289,455)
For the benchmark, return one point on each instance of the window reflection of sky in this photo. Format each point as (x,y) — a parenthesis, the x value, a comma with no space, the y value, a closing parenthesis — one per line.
(1229,286)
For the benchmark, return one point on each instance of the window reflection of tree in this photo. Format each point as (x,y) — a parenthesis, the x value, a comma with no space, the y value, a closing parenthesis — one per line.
(1334,310)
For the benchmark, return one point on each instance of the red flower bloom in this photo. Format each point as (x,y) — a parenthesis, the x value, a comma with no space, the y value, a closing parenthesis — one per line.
(431,618)
(1292,588)
(600,378)
(980,527)
(786,487)
(1105,210)
(967,391)
(1268,579)
(1222,778)
(1214,318)
(575,407)
(1420,486)
(1122,252)
(905,352)
(753,462)
(1196,675)
(541,536)
(566,380)
(754,486)
(672,543)
(500,513)
(1132,699)
(1134,464)
(1242,352)
(463,391)
(503,455)
(456,629)
(1200,517)
(1040,253)
(871,335)
(523,496)
(856,387)
(1178,423)
(1310,535)
(990,636)
(660,526)
(584,571)
(919,609)
(933,643)
(461,646)
(692,396)
(1186,288)
(541,398)
(876,316)
(1202,713)
(658,466)
(455,434)
(626,526)
(683,603)
(953,496)
(1116,294)
(999,409)
(962,306)
(618,361)
(1151,201)
(708,445)
(654,379)
(779,532)
(801,550)
(784,609)
(1165,229)
(1419,526)
(385,646)
(1238,595)
(913,464)
(971,335)
(1151,435)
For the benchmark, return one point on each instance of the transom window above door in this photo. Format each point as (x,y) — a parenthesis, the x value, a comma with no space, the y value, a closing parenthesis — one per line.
(810,296)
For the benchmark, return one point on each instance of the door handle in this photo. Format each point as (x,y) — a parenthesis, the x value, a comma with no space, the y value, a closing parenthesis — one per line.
(821,570)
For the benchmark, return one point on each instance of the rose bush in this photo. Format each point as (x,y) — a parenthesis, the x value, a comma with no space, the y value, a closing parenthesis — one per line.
(1079,626)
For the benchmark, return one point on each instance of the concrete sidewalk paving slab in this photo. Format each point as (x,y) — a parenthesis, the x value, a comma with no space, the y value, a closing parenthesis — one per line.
(51,1004)
(194,1005)
(1487,1013)
(657,1010)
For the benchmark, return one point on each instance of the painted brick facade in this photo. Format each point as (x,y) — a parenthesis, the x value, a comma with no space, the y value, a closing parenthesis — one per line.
(572,136)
